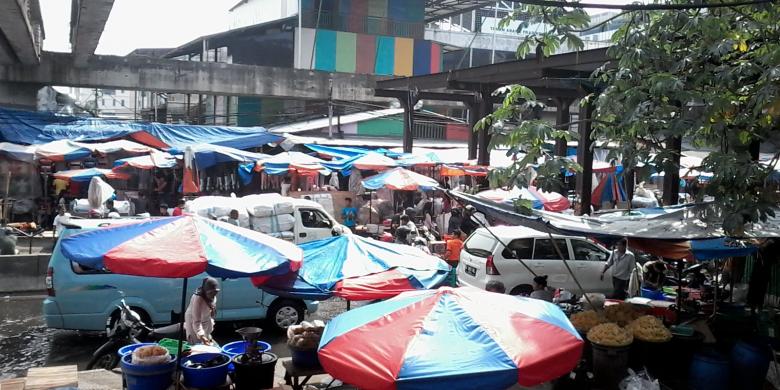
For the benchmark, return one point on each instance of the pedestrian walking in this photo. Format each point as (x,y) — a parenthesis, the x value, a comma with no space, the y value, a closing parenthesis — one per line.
(622,262)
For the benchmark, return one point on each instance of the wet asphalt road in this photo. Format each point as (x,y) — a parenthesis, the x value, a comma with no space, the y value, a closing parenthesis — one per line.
(26,342)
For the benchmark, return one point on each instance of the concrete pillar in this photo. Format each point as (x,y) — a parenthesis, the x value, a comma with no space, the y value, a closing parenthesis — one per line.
(672,173)
(485,104)
(407,103)
(585,159)
(562,116)
(19,95)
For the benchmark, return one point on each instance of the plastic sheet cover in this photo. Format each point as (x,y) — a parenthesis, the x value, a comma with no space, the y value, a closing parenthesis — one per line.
(30,128)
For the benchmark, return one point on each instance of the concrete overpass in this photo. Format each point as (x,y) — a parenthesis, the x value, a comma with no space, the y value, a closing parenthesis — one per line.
(87,20)
(164,75)
(21,32)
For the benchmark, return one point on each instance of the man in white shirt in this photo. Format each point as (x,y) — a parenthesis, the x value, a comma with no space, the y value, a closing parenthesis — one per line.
(60,220)
(623,263)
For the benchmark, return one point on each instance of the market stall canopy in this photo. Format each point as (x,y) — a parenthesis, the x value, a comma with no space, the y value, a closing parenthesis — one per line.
(62,150)
(24,153)
(182,247)
(374,161)
(298,162)
(31,128)
(337,152)
(400,179)
(550,201)
(702,250)
(206,155)
(461,338)
(358,268)
(449,170)
(162,160)
(428,159)
(83,175)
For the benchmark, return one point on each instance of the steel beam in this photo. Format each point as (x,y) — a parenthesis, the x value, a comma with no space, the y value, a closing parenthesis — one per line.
(585,159)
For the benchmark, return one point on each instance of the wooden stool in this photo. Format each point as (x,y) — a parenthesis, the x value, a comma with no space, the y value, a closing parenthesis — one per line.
(293,374)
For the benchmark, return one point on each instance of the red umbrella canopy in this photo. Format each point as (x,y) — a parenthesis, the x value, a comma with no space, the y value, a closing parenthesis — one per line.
(180,247)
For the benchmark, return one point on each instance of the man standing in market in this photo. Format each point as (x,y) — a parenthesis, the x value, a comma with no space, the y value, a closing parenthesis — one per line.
(349,213)
(623,263)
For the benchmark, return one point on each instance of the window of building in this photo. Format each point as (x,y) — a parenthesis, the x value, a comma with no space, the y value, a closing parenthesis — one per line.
(123,102)
(113,102)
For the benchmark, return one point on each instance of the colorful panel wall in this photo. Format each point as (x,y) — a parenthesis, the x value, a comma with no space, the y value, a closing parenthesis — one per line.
(377,8)
(325,50)
(346,52)
(381,127)
(457,132)
(337,51)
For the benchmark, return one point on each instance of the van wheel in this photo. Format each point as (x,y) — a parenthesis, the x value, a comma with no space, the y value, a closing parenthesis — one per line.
(523,289)
(285,312)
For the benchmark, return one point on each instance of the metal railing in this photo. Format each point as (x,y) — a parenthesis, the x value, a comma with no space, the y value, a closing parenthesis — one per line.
(428,130)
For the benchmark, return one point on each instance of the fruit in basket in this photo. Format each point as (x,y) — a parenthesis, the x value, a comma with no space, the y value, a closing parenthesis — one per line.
(584,321)
(610,335)
(621,314)
(650,329)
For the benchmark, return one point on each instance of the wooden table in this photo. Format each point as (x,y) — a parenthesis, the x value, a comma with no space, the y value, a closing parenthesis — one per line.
(293,374)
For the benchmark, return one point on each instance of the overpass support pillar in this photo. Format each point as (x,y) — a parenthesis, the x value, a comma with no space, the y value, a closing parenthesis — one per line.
(585,159)
(485,107)
(407,103)
(562,117)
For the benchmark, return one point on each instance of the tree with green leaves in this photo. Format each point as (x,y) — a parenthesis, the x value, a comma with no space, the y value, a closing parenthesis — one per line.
(710,76)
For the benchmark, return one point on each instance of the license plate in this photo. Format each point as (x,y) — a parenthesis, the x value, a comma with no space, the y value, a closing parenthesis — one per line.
(471,270)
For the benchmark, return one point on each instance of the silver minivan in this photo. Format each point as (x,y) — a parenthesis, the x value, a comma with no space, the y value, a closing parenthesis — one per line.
(484,258)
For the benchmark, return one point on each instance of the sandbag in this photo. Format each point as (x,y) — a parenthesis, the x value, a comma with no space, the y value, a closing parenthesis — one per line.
(218,207)
(284,207)
(261,205)
(277,223)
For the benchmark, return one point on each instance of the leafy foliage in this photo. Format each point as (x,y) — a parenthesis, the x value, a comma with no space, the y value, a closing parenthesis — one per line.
(708,76)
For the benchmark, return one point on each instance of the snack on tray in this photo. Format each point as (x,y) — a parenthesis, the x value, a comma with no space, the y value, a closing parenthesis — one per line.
(610,335)
(584,321)
(307,335)
(621,314)
(650,329)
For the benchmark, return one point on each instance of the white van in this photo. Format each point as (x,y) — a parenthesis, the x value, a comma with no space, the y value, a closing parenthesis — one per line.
(291,219)
(484,259)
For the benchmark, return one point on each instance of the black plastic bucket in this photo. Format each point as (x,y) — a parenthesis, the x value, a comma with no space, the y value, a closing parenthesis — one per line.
(610,364)
(651,356)
(255,375)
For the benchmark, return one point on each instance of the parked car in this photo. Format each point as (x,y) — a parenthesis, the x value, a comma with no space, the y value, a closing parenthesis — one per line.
(86,299)
(484,258)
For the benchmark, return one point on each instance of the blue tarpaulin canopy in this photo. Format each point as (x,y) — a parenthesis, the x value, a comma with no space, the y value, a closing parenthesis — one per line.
(209,155)
(337,152)
(27,127)
(719,248)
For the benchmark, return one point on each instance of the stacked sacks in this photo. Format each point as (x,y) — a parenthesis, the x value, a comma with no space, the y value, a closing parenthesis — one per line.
(271,214)
(216,207)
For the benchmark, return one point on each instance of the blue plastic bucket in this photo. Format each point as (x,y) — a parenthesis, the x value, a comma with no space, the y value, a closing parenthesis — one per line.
(205,378)
(238,347)
(749,364)
(130,348)
(709,371)
(138,377)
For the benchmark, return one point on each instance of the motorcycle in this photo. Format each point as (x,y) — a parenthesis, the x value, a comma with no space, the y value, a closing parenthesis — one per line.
(128,329)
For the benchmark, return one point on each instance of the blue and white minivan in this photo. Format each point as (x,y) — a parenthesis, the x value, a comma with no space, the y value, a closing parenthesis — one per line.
(81,299)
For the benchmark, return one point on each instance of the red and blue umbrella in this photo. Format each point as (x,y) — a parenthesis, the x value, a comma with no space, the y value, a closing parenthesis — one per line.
(181,247)
(88,173)
(357,268)
(550,201)
(400,179)
(462,338)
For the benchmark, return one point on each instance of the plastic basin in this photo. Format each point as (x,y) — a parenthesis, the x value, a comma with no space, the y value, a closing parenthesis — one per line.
(130,348)
(238,347)
(208,377)
(139,377)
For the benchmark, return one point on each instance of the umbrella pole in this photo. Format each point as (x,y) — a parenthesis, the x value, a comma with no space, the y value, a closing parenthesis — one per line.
(181,330)
(370,207)
(349,306)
